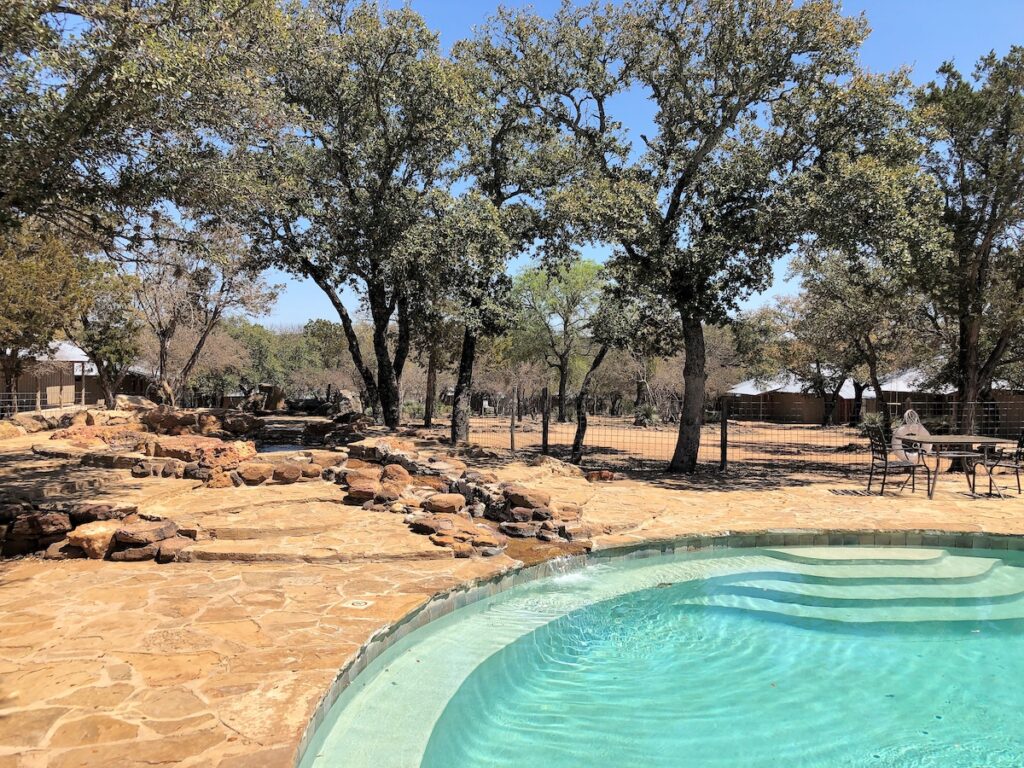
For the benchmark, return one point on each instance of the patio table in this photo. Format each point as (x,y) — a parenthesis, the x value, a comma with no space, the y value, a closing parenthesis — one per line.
(965,444)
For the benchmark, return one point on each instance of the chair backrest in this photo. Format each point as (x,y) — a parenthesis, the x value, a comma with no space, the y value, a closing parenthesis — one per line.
(879,448)
(1018,455)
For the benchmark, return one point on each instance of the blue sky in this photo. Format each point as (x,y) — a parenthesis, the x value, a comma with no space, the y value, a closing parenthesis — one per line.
(920,34)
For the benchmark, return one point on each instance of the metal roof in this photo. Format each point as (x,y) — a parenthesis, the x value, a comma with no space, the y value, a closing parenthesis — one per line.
(789,385)
(911,380)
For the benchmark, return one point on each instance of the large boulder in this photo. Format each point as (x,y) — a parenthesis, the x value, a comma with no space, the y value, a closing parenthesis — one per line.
(396,473)
(380,448)
(117,437)
(241,423)
(255,472)
(145,532)
(169,548)
(520,530)
(209,452)
(450,503)
(287,473)
(167,420)
(136,554)
(275,400)
(521,496)
(348,402)
(134,403)
(362,488)
(95,539)
(9,429)
(32,422)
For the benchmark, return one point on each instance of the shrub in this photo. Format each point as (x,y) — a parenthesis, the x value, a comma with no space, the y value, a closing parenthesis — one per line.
(870,420)
(646,416)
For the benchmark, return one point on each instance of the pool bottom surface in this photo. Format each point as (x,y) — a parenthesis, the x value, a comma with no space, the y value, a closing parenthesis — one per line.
(796,657)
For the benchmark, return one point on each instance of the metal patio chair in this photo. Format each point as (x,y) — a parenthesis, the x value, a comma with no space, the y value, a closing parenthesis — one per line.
(884,460)
(1005,460)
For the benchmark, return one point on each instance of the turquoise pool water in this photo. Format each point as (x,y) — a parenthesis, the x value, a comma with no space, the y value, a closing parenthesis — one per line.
(780,657)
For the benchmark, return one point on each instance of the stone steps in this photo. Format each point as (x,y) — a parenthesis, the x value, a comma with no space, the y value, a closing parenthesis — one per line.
(310,549)
(275,521)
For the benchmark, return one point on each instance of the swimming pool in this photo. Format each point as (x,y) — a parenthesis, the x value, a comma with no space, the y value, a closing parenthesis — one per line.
(752,657)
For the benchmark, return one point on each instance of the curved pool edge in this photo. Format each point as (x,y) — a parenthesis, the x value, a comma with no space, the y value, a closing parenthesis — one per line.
(447,601)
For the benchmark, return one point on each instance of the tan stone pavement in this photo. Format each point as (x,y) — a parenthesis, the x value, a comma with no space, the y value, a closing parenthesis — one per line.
(221,664)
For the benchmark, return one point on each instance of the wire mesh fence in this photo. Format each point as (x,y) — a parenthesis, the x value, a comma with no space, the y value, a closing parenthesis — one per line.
(752,439)
(19,402)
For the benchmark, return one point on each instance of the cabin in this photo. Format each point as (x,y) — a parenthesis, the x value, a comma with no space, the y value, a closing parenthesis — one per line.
(64,376)
(788,400)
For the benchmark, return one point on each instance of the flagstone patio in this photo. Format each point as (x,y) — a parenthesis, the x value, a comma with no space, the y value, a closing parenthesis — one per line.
(223,660)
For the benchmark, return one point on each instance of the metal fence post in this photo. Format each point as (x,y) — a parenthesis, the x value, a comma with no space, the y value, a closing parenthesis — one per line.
(545,411)
(512,421)
(724,439)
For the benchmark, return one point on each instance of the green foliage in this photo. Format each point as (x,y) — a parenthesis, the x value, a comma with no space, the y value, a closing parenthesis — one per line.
(107,326)
(108,107)
(557,308)
(327,342)
(41,288)
(975,128)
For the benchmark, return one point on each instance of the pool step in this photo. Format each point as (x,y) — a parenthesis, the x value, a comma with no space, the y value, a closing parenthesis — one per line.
(998,584)
(867,587)
(855,555)
(946,568)
(992,611)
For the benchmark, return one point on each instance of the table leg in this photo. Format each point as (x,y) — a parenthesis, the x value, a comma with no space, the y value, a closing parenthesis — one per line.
(989,467)
(965,462)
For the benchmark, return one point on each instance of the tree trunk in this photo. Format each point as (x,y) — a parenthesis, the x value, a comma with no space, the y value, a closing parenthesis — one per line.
(684,459)
(563,385)
(164,386)
(969,384)
(186,371)
(381,310)
(387,386)
(11,365)
(354,350)
(404,338)
(431,398)
(581,410)
(109,396)
(463,389)
(876,384)
(858,404)
(829,410)
(11,387)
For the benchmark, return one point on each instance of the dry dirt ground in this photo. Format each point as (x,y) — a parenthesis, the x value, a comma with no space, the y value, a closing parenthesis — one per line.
(221,662)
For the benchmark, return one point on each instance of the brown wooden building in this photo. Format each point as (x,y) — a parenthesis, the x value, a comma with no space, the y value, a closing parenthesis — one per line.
(66,377)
